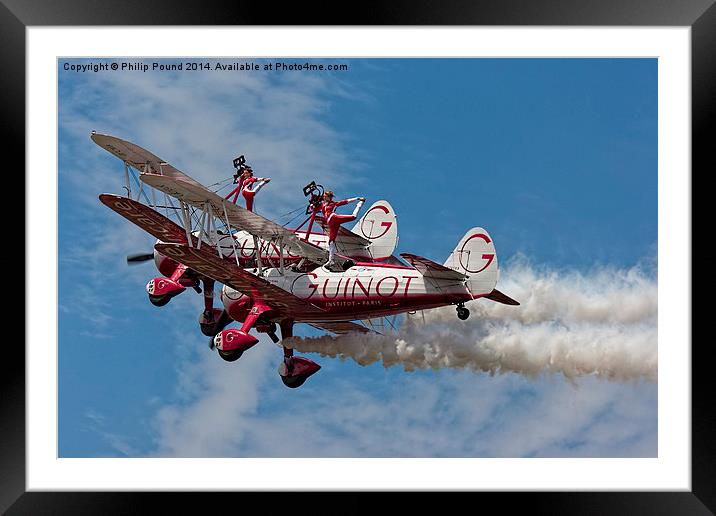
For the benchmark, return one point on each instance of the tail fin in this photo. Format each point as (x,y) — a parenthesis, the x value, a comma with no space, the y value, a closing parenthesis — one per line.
(476,257)
(379,224)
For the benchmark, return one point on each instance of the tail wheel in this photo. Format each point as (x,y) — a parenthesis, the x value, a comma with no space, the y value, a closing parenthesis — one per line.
(159,300)
(231,356)
(462,313)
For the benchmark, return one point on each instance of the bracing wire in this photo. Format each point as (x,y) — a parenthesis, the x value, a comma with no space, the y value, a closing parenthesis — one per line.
(291,212)
(139,186)
(292,219)
(392,325)
(298,213)
(221,184)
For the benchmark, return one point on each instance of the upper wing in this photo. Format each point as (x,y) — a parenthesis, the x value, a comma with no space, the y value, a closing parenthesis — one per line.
(146,218)
(432,270)
(341,327)
(205,261)
(240,218)
(139,158)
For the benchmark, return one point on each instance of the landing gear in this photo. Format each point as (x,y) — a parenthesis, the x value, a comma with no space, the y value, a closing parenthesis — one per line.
(213,321)
(267,327)
(230,340)
(232,355)
(162,290)
(233,340)
(462,312)
(159,300)
(293,382)
(221,323)
(294,371)
(232,343)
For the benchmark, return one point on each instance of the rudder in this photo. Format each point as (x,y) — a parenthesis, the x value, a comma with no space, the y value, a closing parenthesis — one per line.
(476,257)
(379,224)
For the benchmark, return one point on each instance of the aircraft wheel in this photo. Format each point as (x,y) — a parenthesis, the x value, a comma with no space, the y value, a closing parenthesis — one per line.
(208,329)
(159,300)
(293,381)
(230,356)
(463,313)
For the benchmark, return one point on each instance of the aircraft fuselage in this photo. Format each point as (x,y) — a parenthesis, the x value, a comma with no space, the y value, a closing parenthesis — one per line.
(364,291)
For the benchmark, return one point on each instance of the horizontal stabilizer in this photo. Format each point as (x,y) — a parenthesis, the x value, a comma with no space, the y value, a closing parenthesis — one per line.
(432,270)
(393,260)
(499,297)
(340,327)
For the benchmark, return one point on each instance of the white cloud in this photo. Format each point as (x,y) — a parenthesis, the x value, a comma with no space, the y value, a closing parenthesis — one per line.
(430,415)
(98,425)
(224,397)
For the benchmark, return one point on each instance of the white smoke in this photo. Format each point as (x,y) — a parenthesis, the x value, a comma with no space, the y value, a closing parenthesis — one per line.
(601,323)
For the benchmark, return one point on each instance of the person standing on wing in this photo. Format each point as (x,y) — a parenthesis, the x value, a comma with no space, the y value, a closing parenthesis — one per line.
(334,221)
(250,186)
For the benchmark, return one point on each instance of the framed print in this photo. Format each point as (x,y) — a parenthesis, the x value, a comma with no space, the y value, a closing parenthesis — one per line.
(563,138)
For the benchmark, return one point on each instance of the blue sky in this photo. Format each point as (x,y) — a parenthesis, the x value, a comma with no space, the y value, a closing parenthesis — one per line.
(555,157)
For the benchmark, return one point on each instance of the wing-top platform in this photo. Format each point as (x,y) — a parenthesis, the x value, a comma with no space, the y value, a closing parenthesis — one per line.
(236,216)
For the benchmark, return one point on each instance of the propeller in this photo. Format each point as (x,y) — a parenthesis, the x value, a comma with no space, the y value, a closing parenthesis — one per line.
(138,258)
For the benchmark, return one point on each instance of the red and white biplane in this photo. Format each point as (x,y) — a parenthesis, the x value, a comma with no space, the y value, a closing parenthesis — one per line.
(274,277)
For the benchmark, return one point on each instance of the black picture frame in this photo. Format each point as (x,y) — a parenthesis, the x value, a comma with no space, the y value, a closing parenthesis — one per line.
(700,15)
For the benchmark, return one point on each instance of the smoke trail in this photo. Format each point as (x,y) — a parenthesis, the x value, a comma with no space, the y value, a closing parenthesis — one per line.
(601,323)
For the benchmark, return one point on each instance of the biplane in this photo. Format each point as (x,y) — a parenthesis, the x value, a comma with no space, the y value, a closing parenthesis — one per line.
(274,277)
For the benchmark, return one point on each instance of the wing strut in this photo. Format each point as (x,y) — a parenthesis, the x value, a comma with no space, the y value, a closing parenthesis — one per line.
(231,237)
(280,255)
(187,222)
(128,186)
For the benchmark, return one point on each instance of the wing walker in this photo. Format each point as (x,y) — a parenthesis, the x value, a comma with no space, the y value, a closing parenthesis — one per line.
(320,273)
